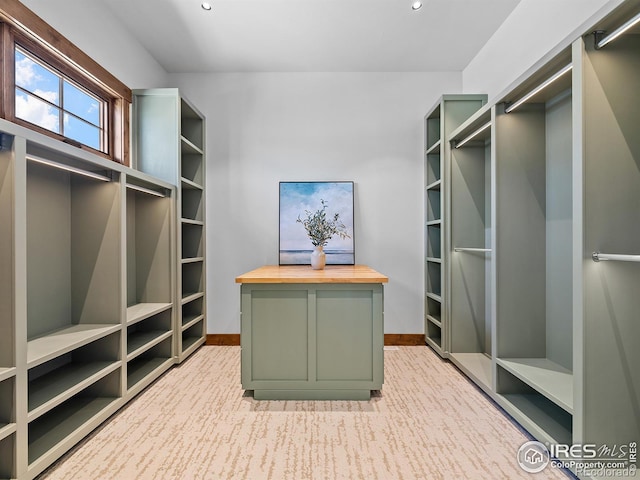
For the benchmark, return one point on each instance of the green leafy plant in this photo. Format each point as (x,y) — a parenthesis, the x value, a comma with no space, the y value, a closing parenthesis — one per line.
(319,228)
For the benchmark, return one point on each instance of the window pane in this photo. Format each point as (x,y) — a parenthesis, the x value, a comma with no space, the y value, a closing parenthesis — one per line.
(33,77)
(82,132)
(81,104)
(34,110)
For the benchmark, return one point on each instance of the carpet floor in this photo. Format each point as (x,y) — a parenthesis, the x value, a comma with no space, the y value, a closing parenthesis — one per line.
(428,422)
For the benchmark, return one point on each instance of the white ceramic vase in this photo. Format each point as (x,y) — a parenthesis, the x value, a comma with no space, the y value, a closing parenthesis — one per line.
(318,258)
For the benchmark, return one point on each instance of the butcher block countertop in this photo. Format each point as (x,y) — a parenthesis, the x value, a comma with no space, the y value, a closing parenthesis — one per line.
(305,274)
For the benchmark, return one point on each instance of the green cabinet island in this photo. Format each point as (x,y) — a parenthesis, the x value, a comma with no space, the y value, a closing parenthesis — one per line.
(312,334)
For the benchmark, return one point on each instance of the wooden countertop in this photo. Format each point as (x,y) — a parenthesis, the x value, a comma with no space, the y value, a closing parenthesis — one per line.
(305,274)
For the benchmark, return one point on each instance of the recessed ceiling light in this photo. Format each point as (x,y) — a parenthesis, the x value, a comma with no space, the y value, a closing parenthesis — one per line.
(416,5)
(206,6)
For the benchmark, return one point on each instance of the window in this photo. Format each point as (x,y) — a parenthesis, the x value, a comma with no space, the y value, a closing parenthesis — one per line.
(47,99)
(51,86)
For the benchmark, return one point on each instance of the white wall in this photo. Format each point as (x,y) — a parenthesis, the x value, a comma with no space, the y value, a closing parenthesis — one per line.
(534,28)
(266,127)
(96,31)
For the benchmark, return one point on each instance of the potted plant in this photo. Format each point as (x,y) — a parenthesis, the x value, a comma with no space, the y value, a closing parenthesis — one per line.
(320,229)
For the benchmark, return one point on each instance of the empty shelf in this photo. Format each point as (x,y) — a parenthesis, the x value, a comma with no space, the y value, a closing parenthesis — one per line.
(59,342)
(552,380)
(536,413)
(435,148)
(475,365)
(141,311)
(435,185)
(53,388)
(186,183)
(142,368)
(140,342)
(192,260)
(192,222)
(190,320)
(63,425)
(434,320)
(189,297)
(7,373)
(435,297)
(187,146)
(6,429)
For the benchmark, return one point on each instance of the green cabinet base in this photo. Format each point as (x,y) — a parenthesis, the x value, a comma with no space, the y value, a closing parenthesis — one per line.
(312,341)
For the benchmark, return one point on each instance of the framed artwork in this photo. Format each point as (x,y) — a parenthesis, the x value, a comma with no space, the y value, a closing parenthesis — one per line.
(297,199)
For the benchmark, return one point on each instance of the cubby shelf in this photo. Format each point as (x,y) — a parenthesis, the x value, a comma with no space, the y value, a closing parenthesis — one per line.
(140,342)
(190,184)
(141,371)
(141,311)
(6,373)
(64,340)
(189,321)
(552,380)
(66,424)
(192,260)
(190,343)
(435,185)
(435,297)
(190,297)
(189,221)
(189,147)
(6,429)
(48,391)
(434,320)
(435,148)
(538,415)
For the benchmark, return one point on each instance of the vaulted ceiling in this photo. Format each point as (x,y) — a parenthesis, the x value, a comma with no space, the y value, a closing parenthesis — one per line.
(312,35)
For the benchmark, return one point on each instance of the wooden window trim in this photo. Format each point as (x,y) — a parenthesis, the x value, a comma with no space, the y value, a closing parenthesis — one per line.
(19,25)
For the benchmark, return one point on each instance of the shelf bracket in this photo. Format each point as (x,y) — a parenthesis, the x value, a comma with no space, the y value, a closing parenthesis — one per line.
(597,36)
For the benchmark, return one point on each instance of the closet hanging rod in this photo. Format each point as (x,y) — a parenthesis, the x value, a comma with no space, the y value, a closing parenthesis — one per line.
(472,135)
(145,190)
(602,41)
(597,257)
(512,106)
(464,249)
(67,168)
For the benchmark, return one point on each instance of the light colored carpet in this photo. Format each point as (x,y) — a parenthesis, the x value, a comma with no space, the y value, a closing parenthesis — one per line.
(428,422)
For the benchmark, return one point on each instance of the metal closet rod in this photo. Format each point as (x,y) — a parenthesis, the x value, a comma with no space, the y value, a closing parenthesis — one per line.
(597,257)
(509,107)
(473,135)
(602,41)
(148,191)
(465,249)
(67,168)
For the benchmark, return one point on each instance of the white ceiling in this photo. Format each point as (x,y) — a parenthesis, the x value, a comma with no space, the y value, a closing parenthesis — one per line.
(312,35)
